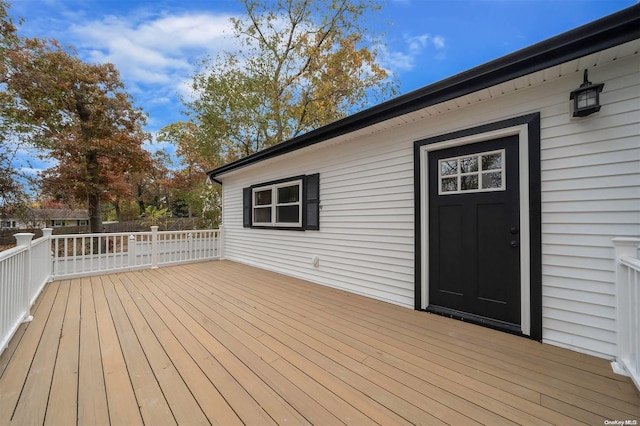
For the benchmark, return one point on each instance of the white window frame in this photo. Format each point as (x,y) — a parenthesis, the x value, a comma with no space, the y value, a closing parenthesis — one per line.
(275,204)
(479,173)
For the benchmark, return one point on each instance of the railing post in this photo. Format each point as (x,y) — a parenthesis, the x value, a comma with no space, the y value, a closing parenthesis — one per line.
(220,244)
(624,247)
(131,251)
(190,246)
(24,239)
(154,247)
(47,233)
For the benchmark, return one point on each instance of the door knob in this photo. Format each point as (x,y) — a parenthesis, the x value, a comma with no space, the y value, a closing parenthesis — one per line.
(514,243)
(513,230)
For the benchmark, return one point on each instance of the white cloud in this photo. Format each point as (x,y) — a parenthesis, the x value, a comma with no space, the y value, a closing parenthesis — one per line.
(151,51)
(405,53)
(438,42)
(156,54)
(416,44)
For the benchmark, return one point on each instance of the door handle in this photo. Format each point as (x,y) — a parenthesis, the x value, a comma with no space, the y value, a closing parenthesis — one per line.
(513,230)
(514,243)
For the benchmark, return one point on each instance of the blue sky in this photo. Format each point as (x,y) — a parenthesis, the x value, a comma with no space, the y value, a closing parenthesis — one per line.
(156,44)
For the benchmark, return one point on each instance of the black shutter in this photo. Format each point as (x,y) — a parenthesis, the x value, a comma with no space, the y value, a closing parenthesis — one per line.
(246,207)
(312,202)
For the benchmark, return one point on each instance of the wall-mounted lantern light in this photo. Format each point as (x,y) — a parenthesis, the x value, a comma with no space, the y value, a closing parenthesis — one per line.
(586,98)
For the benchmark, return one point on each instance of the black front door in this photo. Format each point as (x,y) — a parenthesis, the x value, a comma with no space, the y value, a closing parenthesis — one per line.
(474,236)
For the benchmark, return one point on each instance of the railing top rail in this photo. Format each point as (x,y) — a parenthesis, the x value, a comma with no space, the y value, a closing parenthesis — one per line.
(41,240)
(187,231)
(127,234)
(107,234)
(11,252)
(631,262)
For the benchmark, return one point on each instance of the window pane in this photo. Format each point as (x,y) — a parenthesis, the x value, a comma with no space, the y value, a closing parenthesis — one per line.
(449,167)
(449,184)
(262,215)
(263,197)
(469,164)
(288,214)
(492,180)
(289,194)
(492,161)
(469,182)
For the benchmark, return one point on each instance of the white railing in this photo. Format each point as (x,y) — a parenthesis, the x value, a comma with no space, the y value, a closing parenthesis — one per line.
(628,308)
(12,307)
(25,269)
(92,254)
(40,273)
(21,280)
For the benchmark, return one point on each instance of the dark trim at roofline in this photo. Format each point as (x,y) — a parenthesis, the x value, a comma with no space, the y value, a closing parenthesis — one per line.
(607,32)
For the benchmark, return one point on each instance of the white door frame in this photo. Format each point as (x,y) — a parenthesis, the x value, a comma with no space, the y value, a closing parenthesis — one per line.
(522,131)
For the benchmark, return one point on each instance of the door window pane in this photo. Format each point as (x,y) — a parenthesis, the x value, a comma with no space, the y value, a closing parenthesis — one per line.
(449,184)
(491,180)
(469,182)
(449,167)
(468,164)
(492,161)
(479,172)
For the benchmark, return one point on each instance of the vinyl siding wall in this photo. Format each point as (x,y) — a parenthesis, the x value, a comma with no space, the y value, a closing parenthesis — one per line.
(365,242)
(590,194)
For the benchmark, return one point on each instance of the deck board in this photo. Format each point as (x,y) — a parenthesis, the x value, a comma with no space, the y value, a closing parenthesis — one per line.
(92,397)
(209,400)
(63,397)
(33,394)
(123,406)
(19,364)
(154,408)
(225,343)
(434,387)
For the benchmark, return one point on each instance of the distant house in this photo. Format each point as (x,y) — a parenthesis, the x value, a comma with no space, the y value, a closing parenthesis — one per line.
(47,218)
(486,196)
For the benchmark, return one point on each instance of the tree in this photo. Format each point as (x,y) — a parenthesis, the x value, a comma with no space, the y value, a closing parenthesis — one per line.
(13,198)
(303,64)
(80,114)
(12,195)
(193,150)
(64,181)
(151,186)
(188,181)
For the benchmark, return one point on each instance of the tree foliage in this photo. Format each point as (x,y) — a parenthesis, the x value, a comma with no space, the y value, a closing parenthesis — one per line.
(79,114)
(191,195)
(303,64)
(12,196)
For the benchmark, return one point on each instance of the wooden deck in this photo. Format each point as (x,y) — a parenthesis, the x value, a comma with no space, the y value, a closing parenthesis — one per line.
(224,343)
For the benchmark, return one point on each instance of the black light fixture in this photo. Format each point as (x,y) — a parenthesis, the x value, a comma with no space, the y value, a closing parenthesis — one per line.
(586,98)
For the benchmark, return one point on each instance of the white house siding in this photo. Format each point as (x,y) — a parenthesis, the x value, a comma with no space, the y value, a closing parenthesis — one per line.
(590,194)
(365,242)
